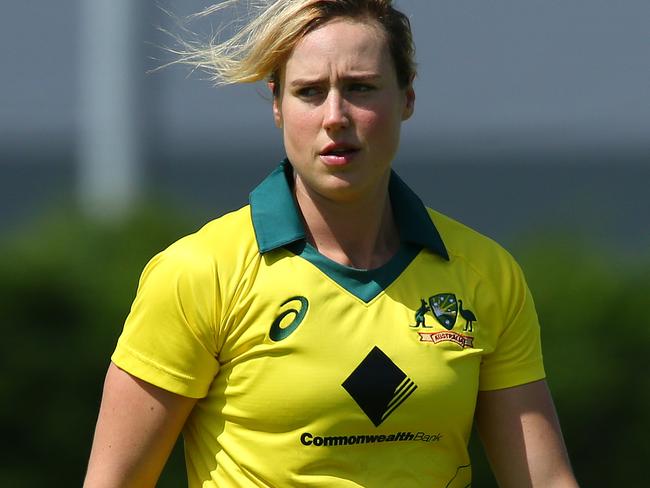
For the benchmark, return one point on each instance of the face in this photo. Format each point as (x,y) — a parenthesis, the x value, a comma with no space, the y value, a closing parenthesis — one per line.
(340,108)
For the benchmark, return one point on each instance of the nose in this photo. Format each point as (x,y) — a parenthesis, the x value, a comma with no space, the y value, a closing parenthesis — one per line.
(335,115)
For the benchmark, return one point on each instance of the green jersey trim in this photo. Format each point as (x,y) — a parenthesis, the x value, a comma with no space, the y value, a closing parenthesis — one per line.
(413,219)
(365,284)
(275,216)
(277,223)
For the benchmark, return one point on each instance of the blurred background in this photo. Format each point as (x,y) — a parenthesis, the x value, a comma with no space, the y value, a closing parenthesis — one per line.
(532,125)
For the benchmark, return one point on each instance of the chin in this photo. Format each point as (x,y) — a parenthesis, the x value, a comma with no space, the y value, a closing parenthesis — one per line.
(343,187)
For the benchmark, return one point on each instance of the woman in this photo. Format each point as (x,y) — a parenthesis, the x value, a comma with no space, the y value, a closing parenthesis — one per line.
(335,332)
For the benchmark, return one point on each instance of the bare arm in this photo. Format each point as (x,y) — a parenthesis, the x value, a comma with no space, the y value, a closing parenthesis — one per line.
(522,437)
(136,430)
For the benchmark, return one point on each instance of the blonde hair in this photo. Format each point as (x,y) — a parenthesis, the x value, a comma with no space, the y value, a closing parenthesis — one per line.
(271,28)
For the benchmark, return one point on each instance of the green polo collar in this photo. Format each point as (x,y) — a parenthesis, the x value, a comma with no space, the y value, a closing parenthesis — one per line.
(277,221)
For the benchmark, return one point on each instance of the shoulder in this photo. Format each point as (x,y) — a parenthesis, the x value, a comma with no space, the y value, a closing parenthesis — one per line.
(469,247)
(219,247)
(229,235)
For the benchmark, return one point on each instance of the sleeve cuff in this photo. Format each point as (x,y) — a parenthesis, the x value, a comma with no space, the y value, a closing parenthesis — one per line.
(147,370)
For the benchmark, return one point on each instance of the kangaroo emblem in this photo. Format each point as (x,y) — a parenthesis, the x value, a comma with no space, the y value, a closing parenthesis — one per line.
(420,319)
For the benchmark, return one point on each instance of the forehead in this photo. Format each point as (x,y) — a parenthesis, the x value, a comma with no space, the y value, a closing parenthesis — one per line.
(340,44)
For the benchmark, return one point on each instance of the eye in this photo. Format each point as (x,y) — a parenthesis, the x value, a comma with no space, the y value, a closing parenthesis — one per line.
(308,92)
(361,87)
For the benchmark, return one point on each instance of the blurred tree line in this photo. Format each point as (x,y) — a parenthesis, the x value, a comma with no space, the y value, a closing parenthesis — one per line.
(66,285)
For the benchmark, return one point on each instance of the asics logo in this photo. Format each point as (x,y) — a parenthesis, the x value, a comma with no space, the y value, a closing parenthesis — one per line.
(280,329)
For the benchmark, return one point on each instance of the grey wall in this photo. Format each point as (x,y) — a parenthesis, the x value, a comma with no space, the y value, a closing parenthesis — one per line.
(527,72)
(510,83)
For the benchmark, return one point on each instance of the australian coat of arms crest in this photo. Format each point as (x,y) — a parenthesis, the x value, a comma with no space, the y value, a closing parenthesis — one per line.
(446,308)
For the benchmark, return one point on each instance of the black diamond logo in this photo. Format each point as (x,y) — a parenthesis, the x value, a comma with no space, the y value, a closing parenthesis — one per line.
(378,386)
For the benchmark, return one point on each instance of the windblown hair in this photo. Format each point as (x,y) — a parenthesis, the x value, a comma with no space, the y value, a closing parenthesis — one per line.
(260,46)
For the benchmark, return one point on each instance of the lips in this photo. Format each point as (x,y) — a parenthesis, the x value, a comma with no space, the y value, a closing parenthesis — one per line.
(338,154)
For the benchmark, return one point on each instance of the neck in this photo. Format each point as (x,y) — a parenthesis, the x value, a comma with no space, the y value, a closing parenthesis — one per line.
(360,233)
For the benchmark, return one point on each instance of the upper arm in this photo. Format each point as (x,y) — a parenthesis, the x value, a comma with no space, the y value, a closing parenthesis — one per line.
(522,437)
(136,430)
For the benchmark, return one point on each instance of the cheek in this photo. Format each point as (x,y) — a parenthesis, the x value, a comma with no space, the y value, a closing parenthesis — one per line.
(298,124)
(382,123)
(299,133)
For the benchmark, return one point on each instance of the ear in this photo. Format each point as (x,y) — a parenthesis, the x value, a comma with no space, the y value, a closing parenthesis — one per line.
(277,111)
(409,107)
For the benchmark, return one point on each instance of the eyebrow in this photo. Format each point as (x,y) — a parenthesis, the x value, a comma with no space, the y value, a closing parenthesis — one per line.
(352,77)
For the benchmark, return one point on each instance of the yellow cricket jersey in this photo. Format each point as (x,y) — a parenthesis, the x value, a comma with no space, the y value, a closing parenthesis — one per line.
(310,373)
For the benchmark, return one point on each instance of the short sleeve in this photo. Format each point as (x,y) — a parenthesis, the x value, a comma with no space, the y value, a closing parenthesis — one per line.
(169,337)
(517,355)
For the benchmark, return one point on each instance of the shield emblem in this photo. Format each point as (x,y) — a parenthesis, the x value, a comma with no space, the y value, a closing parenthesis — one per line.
(445,309)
